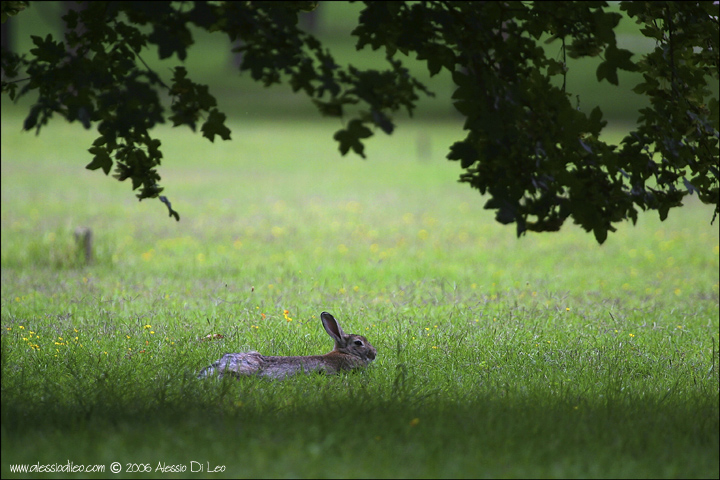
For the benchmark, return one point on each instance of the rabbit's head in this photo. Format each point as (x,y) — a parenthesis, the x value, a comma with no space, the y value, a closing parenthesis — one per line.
(348,344)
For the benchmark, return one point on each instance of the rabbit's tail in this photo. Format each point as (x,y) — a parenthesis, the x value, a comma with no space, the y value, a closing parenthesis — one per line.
(235,364)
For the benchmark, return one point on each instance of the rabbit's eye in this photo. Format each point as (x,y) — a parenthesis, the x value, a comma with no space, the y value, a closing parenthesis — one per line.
(358,343)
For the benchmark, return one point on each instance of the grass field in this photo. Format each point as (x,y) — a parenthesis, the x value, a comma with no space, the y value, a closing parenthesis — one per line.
(542,356)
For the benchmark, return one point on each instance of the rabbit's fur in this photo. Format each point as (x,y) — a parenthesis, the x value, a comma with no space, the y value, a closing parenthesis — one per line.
(351,351)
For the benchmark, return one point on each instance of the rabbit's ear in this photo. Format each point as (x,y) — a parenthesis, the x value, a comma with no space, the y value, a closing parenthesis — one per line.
(332,327)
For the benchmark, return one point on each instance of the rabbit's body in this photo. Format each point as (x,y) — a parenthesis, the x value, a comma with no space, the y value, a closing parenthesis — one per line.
(351,351)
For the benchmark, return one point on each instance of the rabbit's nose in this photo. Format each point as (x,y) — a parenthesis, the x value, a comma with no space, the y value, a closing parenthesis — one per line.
(371,354)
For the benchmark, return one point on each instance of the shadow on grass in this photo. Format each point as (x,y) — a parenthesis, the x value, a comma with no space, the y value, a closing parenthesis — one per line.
(312,426)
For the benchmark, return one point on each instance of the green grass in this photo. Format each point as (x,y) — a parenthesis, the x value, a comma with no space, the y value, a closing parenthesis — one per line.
(543,356)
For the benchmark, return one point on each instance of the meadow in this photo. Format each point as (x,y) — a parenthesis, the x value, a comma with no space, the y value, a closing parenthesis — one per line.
(546,355)
(543,356)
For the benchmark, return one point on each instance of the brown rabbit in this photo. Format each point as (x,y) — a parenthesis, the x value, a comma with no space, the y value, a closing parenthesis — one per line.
(351,351)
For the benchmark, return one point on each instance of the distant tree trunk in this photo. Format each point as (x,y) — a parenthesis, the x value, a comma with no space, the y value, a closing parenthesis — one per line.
(237,57)
(309,21)
(6,41)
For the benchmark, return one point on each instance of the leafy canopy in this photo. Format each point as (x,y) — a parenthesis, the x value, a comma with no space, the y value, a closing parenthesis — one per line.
(536,156)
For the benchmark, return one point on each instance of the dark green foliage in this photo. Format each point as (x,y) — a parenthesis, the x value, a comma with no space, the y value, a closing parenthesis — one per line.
(528,147)
(538,157)
(9,9)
